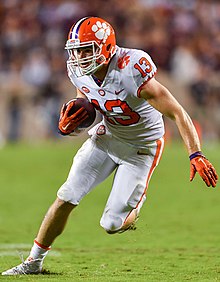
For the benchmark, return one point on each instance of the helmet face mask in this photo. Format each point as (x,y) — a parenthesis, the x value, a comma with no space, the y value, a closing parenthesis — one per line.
(94,34)
(87,64)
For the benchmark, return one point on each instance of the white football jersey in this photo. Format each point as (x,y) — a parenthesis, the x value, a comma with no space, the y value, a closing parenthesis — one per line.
(125,115)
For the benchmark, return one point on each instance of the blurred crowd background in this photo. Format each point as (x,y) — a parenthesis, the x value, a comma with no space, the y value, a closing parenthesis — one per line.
(182,37)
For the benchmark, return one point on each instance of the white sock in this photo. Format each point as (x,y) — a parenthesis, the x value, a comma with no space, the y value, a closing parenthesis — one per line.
(38,251)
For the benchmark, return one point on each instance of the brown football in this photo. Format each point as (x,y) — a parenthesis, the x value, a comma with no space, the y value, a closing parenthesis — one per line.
(81,102)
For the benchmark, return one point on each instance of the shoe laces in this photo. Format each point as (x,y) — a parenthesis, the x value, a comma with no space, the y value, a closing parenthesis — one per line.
(24,267)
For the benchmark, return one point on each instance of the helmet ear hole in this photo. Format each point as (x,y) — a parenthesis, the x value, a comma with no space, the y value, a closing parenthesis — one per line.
(108,47)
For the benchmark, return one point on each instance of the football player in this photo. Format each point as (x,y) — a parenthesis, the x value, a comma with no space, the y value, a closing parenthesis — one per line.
(121,84)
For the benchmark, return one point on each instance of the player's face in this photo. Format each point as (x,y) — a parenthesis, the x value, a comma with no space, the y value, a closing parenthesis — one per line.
(84,58)
(84,53)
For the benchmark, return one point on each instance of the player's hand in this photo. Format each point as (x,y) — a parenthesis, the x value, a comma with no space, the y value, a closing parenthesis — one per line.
(199,163)
(68,123)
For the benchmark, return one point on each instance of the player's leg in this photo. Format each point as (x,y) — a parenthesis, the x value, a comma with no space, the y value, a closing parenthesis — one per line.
(54,222)
(125,199)
(91,166)
(52,226)
(129,188)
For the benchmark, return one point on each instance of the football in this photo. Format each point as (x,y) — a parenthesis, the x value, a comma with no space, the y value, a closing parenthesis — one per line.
(81,102)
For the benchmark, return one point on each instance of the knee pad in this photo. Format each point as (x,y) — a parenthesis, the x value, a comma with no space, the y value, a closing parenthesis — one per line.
(111,223)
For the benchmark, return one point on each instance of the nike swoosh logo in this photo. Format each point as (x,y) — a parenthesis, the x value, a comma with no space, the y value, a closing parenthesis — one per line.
(65,127)
(118,92)
(201,160)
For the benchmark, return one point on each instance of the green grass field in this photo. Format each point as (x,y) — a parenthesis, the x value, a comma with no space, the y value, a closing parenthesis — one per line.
(177,236)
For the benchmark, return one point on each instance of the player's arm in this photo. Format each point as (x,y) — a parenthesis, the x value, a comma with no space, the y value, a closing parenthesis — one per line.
(161,99)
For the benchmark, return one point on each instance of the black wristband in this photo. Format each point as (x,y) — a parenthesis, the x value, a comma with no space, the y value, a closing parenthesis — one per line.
(196,154)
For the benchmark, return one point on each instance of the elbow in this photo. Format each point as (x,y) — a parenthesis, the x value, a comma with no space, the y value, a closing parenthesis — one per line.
(178,114)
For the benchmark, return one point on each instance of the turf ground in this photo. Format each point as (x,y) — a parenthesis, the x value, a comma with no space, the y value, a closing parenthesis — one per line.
(177,236)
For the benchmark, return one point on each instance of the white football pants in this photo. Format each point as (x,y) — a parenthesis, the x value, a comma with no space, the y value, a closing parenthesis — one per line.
(98,157)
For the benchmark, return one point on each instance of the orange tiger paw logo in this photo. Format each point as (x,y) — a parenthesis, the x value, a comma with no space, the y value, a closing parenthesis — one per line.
(123,61)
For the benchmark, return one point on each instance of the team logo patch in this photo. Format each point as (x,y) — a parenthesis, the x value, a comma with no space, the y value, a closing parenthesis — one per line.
(123,61)
(85,89)
(102,31)
(101,130)
(101,92)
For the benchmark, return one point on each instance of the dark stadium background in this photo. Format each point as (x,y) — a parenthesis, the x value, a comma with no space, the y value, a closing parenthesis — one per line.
(183,38)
